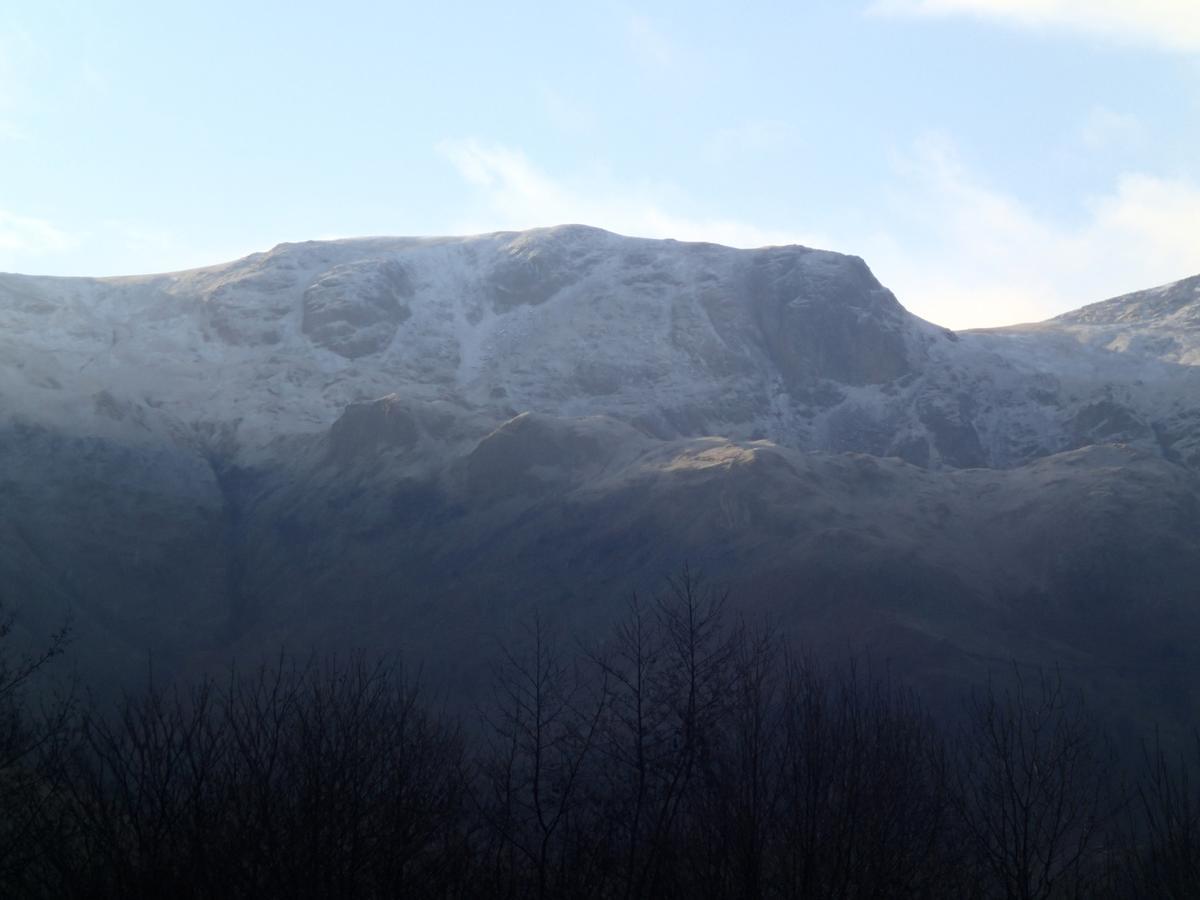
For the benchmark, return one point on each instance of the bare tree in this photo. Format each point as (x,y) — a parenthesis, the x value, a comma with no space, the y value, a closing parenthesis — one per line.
(740,796)
(863,810)
(316,779)
(541,731)
(666,670)
(36,721)
(632,742)
(1159,852)
(683,757)
(1033,776)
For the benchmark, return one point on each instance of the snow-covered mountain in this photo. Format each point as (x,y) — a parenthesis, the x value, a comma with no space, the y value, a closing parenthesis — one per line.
(796,346)
(411,440)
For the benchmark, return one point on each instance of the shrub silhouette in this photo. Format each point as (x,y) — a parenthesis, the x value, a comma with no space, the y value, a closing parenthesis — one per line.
(686,754)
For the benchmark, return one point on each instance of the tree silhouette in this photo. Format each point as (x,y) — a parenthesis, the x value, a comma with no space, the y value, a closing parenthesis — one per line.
(1032,789)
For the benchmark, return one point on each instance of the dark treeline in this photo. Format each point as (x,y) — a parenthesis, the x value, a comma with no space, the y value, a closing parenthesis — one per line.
(685,756)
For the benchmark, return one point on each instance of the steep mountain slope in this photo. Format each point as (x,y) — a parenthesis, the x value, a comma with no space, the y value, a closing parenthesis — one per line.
(408,442)
(682,338)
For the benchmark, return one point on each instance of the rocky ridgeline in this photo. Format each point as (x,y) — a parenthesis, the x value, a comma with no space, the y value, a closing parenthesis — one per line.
(414,441)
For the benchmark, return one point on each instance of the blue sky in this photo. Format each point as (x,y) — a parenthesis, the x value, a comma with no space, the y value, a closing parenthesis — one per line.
(993,160)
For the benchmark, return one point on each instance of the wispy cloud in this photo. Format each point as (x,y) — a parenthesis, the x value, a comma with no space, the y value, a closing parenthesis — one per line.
(29,236)
(514,193)
(568,115)
(1106,129)
(12,131)
(749,139)
(140,239)
(1170,24)
(651,44)
(14,47)
(962,253)
(956,250)
(130,247)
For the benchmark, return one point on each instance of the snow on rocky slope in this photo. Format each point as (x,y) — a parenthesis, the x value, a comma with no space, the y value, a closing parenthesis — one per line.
(680,338)
(410,440)
(796,346)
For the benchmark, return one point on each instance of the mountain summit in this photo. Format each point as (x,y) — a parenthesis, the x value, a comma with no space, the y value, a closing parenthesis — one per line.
(412,441)
(797,346)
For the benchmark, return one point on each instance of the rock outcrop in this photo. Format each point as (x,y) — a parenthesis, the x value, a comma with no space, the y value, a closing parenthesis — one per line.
(410,443)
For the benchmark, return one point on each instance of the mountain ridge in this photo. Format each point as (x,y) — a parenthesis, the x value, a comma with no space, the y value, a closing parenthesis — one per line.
(415,441)
(795,345)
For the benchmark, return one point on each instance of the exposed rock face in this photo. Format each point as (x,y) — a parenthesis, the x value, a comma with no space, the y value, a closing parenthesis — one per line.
(409,442)
(365,427)
(825,316)
(249,307)
(533,267)
(532,454)
(355,309)
(1167,309)
(801,347)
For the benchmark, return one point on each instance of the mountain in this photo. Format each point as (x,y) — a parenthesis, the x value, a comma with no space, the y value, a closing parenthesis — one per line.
(401,442)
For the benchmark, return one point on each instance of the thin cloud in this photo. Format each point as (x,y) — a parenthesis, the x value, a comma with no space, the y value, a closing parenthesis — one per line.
(12,131)
(1106,129)
(1169,24)
(567,115)
(956,250)
(962,253)
(651,44)
(1153,221)
(751,139)
(17,80)
(29,236)
(514,193)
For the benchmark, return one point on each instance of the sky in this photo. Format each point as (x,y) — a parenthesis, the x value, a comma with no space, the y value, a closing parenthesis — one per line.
(993,161)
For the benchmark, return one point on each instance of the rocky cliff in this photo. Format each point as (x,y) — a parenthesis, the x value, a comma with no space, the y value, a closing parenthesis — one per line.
(411,442)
